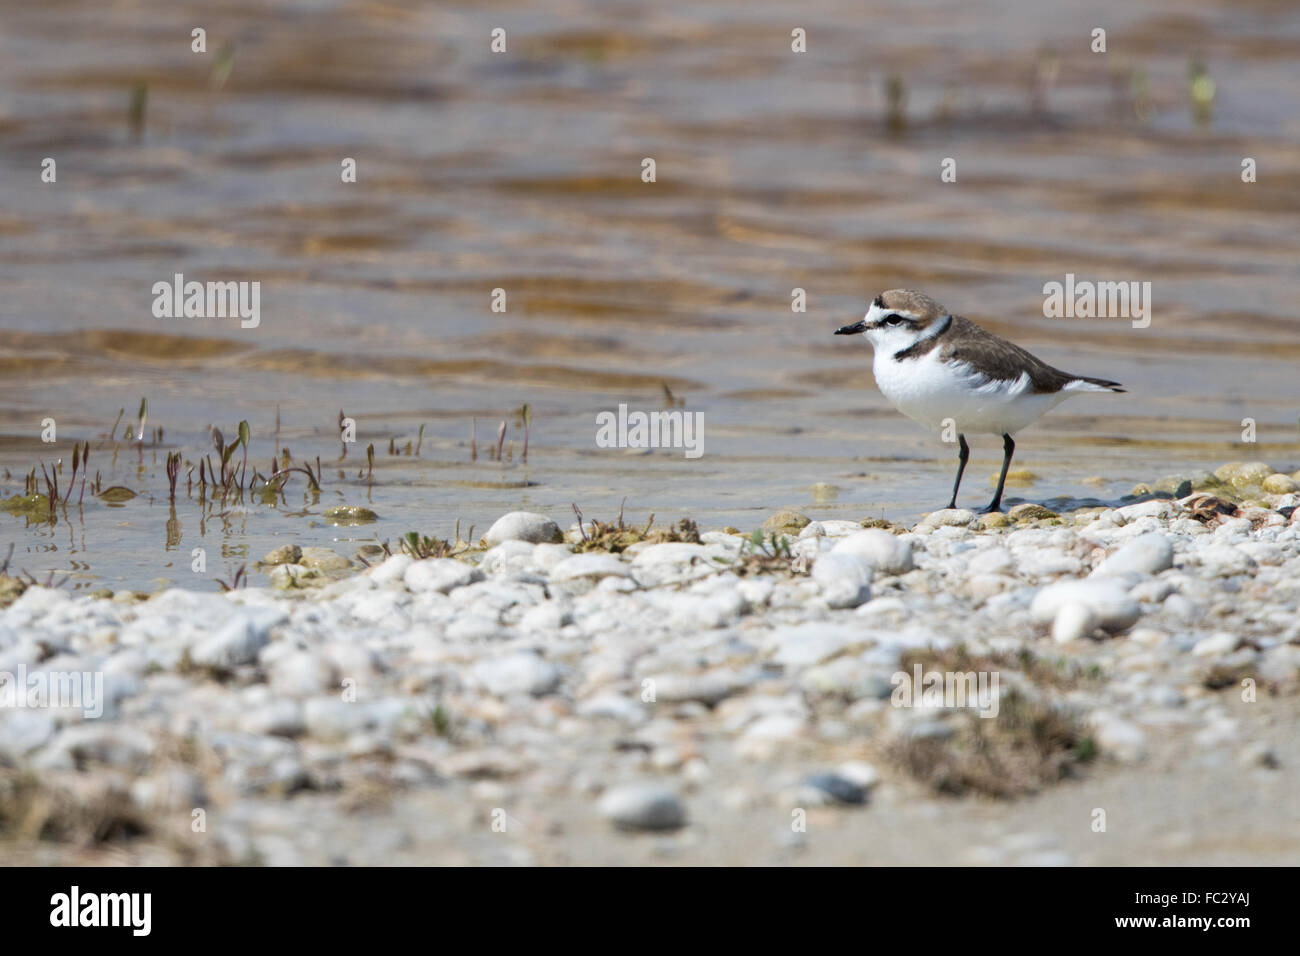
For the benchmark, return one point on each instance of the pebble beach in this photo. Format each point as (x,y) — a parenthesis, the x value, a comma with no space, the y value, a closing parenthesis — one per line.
(582,693)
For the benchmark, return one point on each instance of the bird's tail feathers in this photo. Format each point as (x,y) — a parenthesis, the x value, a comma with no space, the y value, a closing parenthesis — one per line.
(1086,384)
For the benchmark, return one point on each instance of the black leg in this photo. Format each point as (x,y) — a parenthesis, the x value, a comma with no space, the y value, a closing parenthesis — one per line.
(963,454)
(1008,448)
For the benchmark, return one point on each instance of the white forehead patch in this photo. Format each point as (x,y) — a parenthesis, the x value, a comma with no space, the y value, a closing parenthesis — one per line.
(876,313)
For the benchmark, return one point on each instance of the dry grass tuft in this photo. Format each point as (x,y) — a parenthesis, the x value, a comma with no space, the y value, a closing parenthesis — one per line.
(1057,674)
(1029,745)
(615,537)
(84,812)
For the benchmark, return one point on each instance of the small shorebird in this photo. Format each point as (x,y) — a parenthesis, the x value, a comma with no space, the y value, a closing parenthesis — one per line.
(940,369)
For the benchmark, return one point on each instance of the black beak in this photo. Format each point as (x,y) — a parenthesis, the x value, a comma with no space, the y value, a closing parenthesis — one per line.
(857,328)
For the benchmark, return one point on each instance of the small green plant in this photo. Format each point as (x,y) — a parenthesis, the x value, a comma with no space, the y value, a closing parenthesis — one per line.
(764,554)
(773,545)
(421,546)
(441,721)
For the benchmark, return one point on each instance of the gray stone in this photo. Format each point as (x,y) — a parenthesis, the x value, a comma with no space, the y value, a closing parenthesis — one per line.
(289,577)
(280,718)
(1106,600)
(1156,508)
(1224,560)
(948,517)
(523,526)
(708,689)
(520,673)
(886,553)
(838,788)
(844,578)
(592,565)
(1073,621)
(236,642)
(23,730)
(642,806)
(285,554)
(391,570)
(332,718)
(323,559)
(440,574)
(1216,645)
(829,529)
(803,645)
(1119,738)
(1146,554)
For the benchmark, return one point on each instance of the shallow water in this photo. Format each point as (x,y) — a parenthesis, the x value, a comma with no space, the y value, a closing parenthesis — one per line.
(521,171)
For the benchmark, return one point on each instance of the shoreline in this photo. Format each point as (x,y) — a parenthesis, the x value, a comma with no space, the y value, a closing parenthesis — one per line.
(608,694)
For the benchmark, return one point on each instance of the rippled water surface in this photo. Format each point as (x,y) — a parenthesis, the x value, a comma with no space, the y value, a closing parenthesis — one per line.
(522,171)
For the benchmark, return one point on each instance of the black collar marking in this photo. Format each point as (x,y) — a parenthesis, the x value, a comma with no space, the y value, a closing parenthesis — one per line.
(925,343)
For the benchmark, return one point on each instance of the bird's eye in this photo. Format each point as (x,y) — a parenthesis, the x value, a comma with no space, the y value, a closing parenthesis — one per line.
(894,319)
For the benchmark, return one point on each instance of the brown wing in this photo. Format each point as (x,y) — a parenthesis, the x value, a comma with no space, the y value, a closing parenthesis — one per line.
(967,342)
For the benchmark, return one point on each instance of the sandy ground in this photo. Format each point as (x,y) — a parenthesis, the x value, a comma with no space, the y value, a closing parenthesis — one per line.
(1182,806)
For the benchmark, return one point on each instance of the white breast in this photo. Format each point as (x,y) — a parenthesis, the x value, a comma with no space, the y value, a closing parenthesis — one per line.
(931,391)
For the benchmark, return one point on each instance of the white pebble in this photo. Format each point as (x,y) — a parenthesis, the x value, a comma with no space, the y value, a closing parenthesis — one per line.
(642,806)
(1113,608)
(523,526)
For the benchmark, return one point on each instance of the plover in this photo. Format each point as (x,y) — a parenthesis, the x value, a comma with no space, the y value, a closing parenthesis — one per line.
(938,368)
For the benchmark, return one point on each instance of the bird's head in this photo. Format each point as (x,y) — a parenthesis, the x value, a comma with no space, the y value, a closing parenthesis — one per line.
(897,319)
